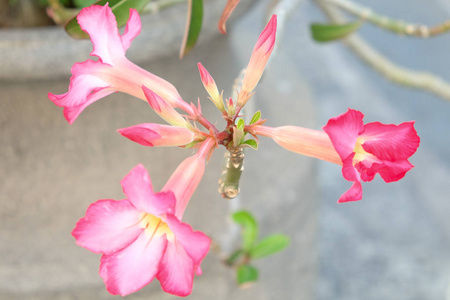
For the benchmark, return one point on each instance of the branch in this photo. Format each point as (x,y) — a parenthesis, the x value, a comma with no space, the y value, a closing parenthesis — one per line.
(397,74)
(397,26)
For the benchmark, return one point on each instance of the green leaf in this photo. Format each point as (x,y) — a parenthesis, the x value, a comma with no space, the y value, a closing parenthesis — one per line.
(256,117)
(234,257)
(240,124)
(193,26)
(269,245)
(83,3)
(251,143)
(120,8)
(330,32)
(246,274)
(249,228)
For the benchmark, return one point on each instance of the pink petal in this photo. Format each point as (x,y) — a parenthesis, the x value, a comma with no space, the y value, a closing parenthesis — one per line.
(176,272)
(108,226)
(390,142)
(258,60)
(195,243)
(351,174)
(100,23)
(130,269)
(344,130)
(132,29)
(138,189)
(394,171)
(149,134)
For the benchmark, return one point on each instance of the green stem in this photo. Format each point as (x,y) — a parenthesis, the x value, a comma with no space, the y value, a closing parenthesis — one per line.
(231,175)
(397,26)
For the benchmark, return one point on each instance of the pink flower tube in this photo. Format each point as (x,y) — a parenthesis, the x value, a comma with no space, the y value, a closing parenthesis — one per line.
(369,149)
(152,135)
(141,239)
(113,72)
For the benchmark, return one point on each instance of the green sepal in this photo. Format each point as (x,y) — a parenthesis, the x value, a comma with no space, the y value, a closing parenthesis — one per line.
(251,143)
(330,32)
(269,245)
(246,274)
(120,8)
(249,229)
(255,117)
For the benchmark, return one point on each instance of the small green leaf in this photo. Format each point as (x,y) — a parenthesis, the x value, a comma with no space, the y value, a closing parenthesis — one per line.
(269,245)
(251,143)
(330,32)
(83,3)
(246,274)
(120,8)
(256,117)
(193,27)
(249,228)
(240,124)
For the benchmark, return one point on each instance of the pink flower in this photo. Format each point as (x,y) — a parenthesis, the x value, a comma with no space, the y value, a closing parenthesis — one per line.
(141,238)
(258,61)
(211,88)
(369,149)
(152,135)
(113,72)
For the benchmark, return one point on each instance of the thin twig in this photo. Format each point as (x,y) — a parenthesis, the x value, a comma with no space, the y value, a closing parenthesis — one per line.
(400,75)
(397,26)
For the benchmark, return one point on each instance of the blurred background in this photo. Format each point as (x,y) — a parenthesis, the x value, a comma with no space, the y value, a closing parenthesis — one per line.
(393,244)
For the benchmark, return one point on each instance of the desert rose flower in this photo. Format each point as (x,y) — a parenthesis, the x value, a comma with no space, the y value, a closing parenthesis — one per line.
(153,135)
(112,72)
(366,150)
(141,238)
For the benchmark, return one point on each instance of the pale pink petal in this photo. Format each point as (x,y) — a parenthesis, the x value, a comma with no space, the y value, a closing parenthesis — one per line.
(100,23)
(390,142)
(130,269)
(258,60)
(138,189)
(229,7)
(176,271)
(150,134)
(344,130)
(132,29)
(195,243)
(108,226)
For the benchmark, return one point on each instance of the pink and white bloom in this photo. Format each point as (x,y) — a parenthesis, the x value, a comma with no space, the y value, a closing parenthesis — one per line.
(211,88)
(371,148)
(112,72)
(258,61)
(153,135)
(141,238)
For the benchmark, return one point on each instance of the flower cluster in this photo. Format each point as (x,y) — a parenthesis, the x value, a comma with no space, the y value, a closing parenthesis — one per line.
(142,237)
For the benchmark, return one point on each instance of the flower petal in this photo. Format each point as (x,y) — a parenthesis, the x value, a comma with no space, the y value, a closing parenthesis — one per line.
(132,29)
(344,130)
(229,7)
(195,243)
(394,171)
(350,173)
(100,23)
(137,186)
(108,226)
(130,269)
(176,271)
(390,142)
(150,134)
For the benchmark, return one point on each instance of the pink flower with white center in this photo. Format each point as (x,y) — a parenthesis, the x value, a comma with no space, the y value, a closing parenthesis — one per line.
(258,60)
(371,148)
(113,72)
(142,237)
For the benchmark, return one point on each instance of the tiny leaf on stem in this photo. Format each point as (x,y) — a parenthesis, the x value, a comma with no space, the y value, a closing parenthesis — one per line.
(249,228)
(330,32)
(269,245)
(193,26)
(246,274)
(251,143)
(256,117)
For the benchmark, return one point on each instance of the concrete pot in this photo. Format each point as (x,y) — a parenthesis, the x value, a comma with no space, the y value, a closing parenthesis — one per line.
(52,171)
